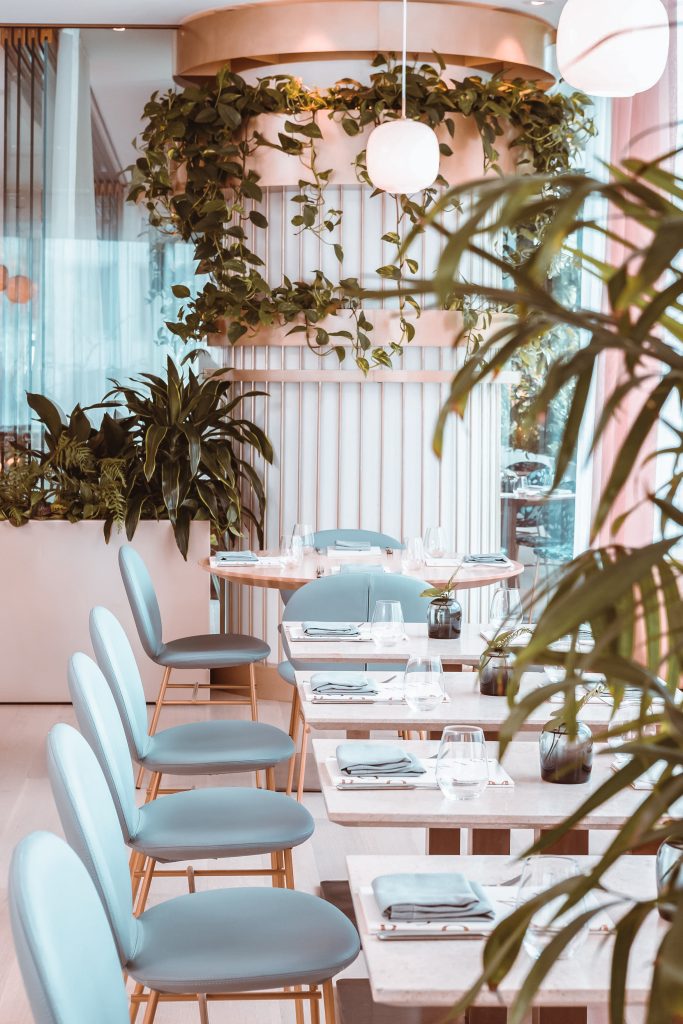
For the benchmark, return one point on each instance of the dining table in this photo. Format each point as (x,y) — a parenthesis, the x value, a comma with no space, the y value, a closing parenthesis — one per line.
(530,803)
(435,972)
(511,503)
(272,573)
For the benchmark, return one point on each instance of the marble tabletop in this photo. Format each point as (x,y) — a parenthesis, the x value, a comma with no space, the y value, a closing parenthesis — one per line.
(437,972)
(466,706)
(529,804)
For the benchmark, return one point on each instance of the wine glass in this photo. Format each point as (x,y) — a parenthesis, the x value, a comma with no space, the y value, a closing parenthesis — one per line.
(423,683)
(435,541)
(506,608)
(291,549)
(521,484)
(539,874)
(462,767)
(413,555)
(306,533)
(387,626)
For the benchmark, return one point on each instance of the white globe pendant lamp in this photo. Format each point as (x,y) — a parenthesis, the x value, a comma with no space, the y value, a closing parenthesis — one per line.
(613,47)
(402,155)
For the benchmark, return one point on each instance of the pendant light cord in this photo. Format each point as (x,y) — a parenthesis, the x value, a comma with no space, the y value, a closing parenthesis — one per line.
(403,66)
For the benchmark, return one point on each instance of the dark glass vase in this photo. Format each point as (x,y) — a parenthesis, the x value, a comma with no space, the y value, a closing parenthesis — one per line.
(495,676)
(566,760)
(444,619)
(669,869)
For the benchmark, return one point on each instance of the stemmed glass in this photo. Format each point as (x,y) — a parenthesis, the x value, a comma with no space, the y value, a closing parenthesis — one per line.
(387,626)
(506,608)
(306,533)
(521,484)
(291,549)
(462,767)
(423,683)
(413,555)
(539,874)
(435,542)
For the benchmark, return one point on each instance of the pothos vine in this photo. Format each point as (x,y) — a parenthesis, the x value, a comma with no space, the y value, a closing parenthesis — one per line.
(194,176)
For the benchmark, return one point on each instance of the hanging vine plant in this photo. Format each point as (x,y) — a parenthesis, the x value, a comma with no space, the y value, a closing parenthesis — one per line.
(194,176)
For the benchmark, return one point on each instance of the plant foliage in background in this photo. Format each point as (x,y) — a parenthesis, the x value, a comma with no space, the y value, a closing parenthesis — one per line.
(630,596)
(177,453)
(194,176)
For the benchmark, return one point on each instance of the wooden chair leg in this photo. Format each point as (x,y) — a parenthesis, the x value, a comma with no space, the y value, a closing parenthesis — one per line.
(152,1004)
(153,787)
(315,1005)
(302,764)
(295,719)
(276,865)
(328,1002)
(253,700)
(134,1004)
(298,1007)
(145,887)
(203,1009)
(155,717)
(289,869)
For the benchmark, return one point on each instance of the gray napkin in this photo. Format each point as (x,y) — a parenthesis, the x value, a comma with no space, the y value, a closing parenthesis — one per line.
(352,545)
(340,682)
(494,559)
(236,556)
(341,629)
(440,897)
(359,759)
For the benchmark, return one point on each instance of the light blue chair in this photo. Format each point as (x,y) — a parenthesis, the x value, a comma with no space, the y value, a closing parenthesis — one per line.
(62,938)
(345,597)
(205,944)
(207,651)
(195,825)
(196,748)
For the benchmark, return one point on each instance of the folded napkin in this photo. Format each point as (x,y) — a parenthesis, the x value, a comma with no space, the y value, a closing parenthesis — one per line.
(360,759)
(438,897)
(493,559)
(352,545)
(236,556)
(340,629)
(341,682)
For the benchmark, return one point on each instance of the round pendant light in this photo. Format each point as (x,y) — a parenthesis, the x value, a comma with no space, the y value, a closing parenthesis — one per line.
(613,47)
(402,156)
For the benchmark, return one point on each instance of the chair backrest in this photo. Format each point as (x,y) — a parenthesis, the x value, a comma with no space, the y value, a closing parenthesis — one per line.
(326,538)
(62,938)
(91,826)
(339,598)
(117,661)
(100,722)
(143,600)
(390,586)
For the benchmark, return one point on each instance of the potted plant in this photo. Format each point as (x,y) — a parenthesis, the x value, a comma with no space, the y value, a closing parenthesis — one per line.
(444,616)
(566,745)
(496,663)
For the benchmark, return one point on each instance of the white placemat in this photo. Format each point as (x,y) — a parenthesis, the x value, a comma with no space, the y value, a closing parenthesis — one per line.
(295,634)
(498,777)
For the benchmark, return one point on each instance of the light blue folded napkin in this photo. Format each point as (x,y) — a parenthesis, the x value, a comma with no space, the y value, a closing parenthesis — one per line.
(493,559)
(236,556)
(352,545)
(340,629)
(438,897)
(341,682)
(359,759)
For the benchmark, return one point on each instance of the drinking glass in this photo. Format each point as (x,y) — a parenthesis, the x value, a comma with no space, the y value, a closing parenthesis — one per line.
(413,555)
(462,767)
(423,683)
(306,532)
(291,549)
(506,608)
(521,484)
(387,623)
(435,541)
(540,873)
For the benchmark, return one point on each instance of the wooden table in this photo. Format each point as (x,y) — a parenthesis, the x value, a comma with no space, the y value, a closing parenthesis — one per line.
(436,973)
(294,576)
(467,706)
(466,650)
(529,804)
(511,504)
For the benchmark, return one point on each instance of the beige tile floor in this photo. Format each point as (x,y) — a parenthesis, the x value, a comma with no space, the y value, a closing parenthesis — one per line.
(26,804)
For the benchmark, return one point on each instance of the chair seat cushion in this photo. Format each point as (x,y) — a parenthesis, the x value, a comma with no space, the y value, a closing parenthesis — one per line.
(286,669)
(215,747)
(212,650)
(231,940)
(220,822)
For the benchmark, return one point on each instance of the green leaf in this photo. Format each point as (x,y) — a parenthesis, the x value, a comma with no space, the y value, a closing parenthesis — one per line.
(181,291)
(153,438)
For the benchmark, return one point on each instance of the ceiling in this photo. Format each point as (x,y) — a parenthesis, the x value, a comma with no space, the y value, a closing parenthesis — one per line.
(172,12)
